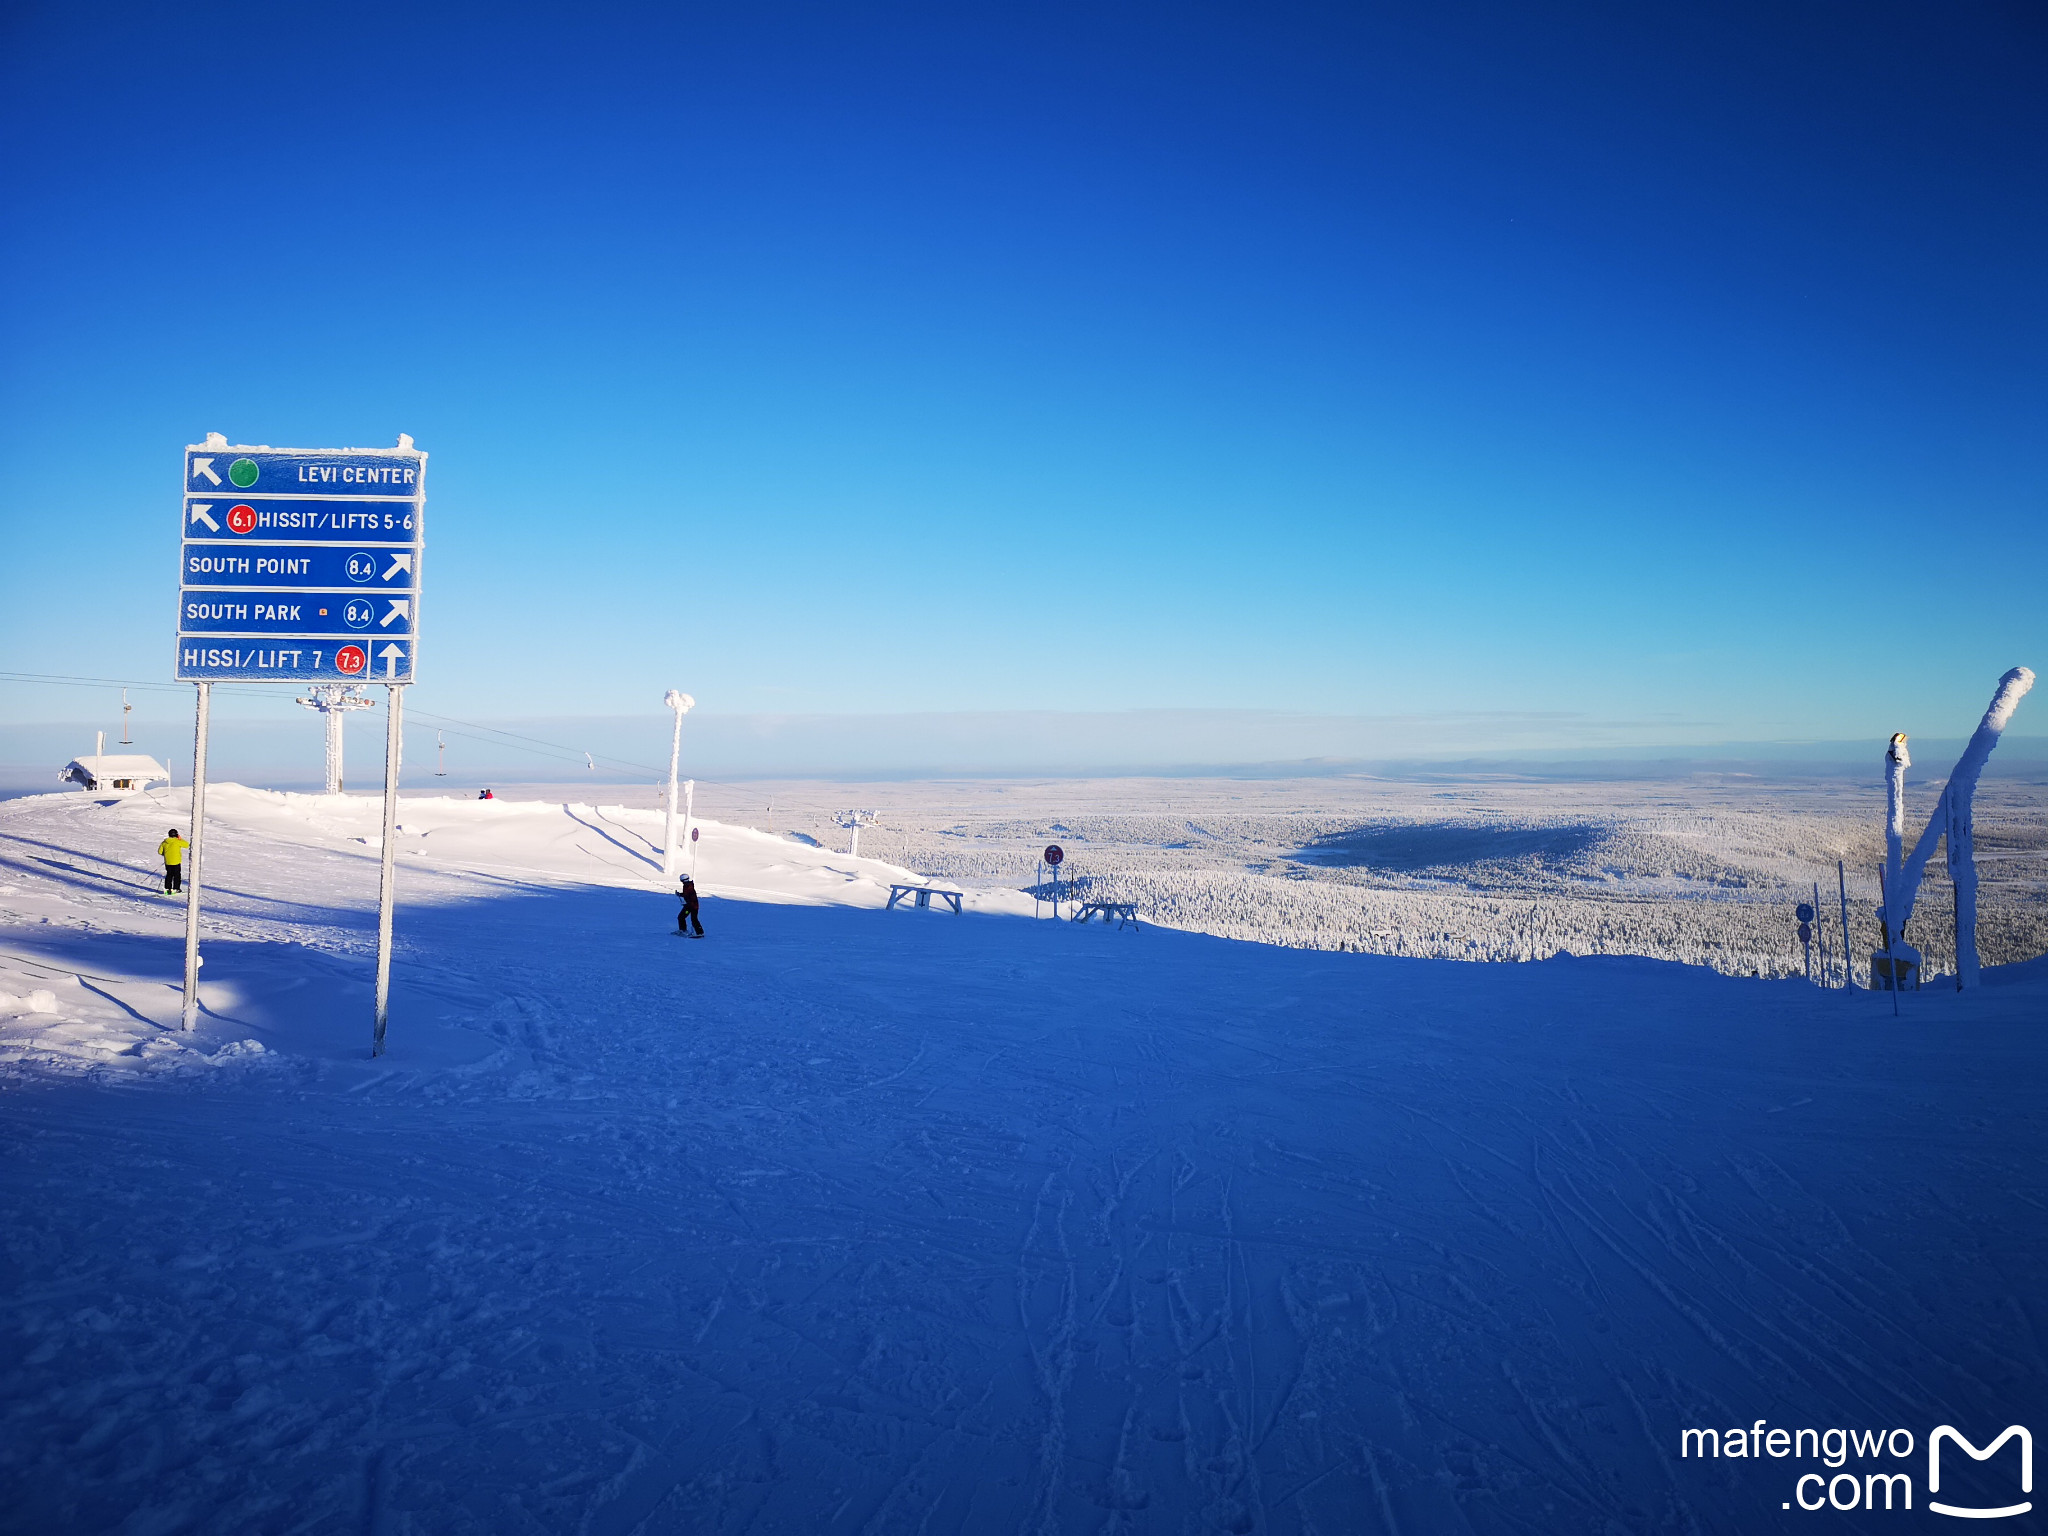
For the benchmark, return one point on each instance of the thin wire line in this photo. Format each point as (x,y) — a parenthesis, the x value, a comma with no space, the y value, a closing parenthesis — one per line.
(561,750)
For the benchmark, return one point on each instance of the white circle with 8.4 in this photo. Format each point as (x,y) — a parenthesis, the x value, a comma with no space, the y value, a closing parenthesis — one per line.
(359,612)
(361,566)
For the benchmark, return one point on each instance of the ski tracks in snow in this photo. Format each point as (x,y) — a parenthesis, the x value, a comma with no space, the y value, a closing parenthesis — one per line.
(845,1222)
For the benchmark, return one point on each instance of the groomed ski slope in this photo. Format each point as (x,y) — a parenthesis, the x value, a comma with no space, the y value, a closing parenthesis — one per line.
(843,1220)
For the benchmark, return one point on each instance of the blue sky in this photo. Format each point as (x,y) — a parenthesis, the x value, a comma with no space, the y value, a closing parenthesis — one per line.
(1673,373)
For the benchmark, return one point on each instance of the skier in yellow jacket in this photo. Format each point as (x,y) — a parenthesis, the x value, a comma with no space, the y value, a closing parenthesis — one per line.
(172,849)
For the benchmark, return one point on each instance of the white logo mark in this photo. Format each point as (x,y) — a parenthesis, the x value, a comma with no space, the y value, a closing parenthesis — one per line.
(1948,1431)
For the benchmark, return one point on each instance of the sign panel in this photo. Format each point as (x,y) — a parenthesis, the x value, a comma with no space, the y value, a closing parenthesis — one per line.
(304,471)
(296,612)
(332,520)
(333,567)
(300,564)
(249,661)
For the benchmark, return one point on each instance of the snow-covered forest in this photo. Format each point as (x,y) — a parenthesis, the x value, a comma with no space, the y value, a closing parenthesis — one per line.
(1704,871)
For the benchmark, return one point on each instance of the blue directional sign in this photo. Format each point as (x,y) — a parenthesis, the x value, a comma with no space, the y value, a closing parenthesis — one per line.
(328,566)
(330,520)
(296,612)
(300,565)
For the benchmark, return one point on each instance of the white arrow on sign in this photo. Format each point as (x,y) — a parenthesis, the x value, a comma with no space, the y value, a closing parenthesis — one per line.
(204,467)
(393,654)
(401,608)
(398,563)
(199,511)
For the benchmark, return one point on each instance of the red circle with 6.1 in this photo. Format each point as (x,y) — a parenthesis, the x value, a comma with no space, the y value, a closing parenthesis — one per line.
(350,659)
(242,518)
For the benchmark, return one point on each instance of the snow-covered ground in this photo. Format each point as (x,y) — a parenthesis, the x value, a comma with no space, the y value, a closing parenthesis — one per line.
(853,1220)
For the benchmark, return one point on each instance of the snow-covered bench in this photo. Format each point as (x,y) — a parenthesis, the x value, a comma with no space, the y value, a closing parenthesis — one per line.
(922,896)
(1122,911)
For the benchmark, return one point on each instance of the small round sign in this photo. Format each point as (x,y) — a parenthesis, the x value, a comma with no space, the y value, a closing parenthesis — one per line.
(1053,854)
(693,833)
(243,473)
(350,660)
(242,518)
(362,565)
(358,612)
(1804,912)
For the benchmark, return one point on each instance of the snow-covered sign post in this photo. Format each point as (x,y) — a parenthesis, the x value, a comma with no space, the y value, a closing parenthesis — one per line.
(299,565)
(682,704)
(1953,818)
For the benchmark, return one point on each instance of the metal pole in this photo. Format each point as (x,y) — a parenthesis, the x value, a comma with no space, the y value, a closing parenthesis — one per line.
(394,739)
(675,757)
(1896,761)
(191,1015)
(690,822)
(1842,888)
(1820,932)
(333,751)
(1957,840)
(1962,840)
(1955,896)
(1891,956)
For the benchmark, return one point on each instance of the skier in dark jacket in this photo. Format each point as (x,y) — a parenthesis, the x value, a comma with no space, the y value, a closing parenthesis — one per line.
(687,918)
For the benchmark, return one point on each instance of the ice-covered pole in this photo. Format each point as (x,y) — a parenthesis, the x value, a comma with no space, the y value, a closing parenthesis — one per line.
(682,704)
(1896,761)
(332,702)
(333,717)
(1954,815)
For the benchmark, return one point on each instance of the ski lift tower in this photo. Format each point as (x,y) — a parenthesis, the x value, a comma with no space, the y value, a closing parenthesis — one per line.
(853,821)
(332,701)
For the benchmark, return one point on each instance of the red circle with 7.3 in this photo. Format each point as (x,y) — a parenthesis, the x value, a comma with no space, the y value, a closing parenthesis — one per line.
(242,518)
(350,660)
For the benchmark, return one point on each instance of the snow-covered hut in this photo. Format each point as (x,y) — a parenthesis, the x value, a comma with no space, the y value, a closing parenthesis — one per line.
(106,773)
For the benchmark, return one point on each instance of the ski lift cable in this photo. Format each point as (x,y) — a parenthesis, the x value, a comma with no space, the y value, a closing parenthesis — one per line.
(59,680)
(492,735)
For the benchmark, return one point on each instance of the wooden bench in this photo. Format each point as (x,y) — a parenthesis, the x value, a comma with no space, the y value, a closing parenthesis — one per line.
(921,896)
(1122,911)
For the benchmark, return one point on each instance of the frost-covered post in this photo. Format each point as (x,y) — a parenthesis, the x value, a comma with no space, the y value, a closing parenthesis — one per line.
(331,701)
(682,704)
(190,1018)
(1896,761)
(1962,790)
(1953,817)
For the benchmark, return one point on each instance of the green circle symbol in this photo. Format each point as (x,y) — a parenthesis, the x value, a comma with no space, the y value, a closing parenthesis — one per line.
(243,472)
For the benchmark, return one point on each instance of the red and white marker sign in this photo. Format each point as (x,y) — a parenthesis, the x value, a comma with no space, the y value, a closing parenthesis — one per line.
(1053,854)
(242,518)
(350,660)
